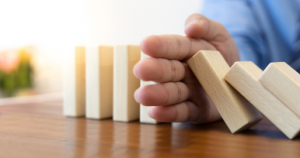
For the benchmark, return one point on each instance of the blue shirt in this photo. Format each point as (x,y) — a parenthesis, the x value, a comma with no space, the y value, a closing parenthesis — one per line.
(264,30)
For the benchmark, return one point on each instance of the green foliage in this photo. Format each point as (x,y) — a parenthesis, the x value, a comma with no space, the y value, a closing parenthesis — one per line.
(20,78)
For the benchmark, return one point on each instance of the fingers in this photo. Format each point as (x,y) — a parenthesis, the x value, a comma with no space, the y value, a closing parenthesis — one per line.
(198,26)
(174,47)
(159,70)
(162,94)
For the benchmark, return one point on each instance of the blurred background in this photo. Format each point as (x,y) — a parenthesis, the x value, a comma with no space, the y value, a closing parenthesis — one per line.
(35,35)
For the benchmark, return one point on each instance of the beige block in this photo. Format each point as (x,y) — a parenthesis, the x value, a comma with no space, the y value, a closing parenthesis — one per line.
(99,82)
(74,83)
(284,82)
(243,76)
(210,68)
(125,108)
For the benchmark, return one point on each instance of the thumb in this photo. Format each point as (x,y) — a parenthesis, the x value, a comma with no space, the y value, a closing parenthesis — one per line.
(198,26)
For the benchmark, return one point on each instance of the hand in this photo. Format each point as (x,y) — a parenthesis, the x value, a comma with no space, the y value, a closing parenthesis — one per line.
(178,96)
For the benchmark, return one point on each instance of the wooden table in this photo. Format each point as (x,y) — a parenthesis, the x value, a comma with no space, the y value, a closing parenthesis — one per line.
(40,130)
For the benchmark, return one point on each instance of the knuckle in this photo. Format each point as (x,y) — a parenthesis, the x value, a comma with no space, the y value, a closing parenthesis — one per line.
(179,92)
(173,70)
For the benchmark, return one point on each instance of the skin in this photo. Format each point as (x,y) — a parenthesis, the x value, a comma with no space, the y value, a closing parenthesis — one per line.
(178,96)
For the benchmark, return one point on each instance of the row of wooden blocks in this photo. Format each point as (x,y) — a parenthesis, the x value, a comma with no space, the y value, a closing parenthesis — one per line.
(99,83)
(275,92)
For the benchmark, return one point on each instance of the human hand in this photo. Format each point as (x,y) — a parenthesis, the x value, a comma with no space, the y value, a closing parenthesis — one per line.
(178,96)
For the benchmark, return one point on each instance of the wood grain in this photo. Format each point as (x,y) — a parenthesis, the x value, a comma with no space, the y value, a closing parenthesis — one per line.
(125,108)
(284,82)
(99,82)
(74,83)
(210,68)
(40,130)
(243,76)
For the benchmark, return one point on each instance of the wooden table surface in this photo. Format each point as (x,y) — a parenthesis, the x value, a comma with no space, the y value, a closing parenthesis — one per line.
(40,130)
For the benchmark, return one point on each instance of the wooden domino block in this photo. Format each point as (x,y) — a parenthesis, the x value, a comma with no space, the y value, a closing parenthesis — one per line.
(144,115)
(125,108)
(284,82)
(210,68)
(74,83)
(99,82)
(243,76)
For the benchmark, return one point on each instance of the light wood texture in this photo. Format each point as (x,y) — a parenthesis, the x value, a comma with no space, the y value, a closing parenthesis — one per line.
(144,110)
(74,83)
(125,108)
(284,82)
(210,68)
(99,82)
(40,130)
(243,76)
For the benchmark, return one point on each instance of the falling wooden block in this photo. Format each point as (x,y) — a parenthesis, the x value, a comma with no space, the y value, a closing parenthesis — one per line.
(243,76)
(74,83)
(284,82)
(125,108)
(144,110)
(99,82)
(210,68)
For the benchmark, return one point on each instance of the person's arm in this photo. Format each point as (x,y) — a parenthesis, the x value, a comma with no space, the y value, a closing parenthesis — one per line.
(238,18)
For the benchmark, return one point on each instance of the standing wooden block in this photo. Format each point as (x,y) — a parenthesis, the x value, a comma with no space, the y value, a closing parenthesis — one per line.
(125,108)
(74,83)
(284,82)
(144,110)
(243,76)
(210,68)
(99,82)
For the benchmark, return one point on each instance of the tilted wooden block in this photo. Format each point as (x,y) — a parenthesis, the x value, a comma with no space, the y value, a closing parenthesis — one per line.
(284,82)
(243,76)
(210,68)
(144,110)
(74,83)
(99,82)
(125,108)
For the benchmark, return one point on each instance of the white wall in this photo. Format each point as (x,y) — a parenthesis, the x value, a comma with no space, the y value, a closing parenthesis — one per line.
(55,26)
(129,21)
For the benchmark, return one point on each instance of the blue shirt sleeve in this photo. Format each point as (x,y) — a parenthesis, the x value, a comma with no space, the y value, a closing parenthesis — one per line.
(261,33)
